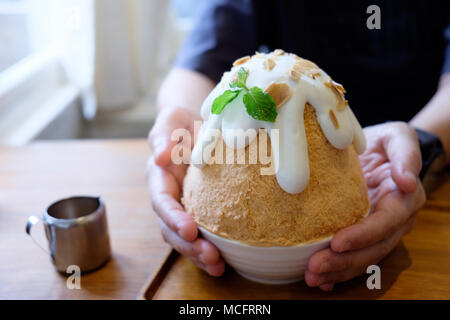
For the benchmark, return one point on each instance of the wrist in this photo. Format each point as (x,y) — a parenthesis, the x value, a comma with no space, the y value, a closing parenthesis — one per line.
(432,153)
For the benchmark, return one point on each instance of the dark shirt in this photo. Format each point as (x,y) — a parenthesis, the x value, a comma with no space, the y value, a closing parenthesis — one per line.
(389,73)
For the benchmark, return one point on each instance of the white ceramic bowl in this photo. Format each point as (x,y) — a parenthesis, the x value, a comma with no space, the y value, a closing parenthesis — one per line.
(269,265)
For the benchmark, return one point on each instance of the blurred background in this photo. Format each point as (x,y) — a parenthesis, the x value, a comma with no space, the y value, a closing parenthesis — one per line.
(85,69)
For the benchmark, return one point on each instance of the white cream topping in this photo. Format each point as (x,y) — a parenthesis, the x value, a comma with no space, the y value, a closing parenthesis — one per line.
(291,155)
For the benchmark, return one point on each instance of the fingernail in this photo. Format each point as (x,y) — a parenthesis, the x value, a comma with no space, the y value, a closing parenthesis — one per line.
(325,267)
(311,278)
(327,287)
(410,176)
(201,257)
(347,245)
(320,281)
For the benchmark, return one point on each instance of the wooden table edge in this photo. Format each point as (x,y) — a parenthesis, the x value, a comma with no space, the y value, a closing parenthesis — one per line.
(154,281)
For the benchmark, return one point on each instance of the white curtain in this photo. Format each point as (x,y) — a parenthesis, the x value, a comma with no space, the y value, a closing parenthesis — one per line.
(77,48)
(114,51)
(69,26)
(135,42)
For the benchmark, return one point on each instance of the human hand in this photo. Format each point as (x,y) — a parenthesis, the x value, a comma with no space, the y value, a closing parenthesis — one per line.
(165,181)
(391,164)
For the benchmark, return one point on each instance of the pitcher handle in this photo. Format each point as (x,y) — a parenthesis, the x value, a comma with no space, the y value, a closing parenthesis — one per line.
(33,220)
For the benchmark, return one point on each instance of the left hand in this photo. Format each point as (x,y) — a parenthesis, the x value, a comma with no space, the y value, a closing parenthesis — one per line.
(391,164)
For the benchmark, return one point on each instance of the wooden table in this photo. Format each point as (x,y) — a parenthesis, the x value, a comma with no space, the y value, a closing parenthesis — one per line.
(34,176)
(419,268)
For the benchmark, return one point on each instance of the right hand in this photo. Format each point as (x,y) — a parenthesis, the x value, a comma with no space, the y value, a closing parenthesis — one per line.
(165,181)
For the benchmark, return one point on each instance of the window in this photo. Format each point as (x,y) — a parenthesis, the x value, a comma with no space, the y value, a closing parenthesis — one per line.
(22,30)
(37,81)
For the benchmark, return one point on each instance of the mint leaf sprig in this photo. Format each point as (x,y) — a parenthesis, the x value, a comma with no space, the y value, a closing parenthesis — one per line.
(221,101)
(241,80)
(259,104)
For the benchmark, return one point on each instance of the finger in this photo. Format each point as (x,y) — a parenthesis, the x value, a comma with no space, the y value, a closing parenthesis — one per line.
(199,249)
(379,192)
(164,194)
(327,287)
(403,151)
(375,176)
(161,137)
(371,159)
(351,264)
(327,260)
(390,213)
(178,171)
(217,269)
(209,253)
(171,212)
(201,252)
(317,280)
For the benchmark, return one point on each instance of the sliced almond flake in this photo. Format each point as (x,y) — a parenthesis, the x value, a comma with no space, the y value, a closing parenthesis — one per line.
(293,55)
(313,73)
(333,119)
(341,101)
(339,86)
(258,55)
(274,56)
(241,60)
(280,92)
(297,66)
(305,67)
(306,64)
(296,71)
(269,64)
(341,104)
(294,75)
(278,52)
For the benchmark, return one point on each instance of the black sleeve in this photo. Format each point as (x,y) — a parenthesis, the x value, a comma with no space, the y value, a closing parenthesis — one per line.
(224,30)
(446,66)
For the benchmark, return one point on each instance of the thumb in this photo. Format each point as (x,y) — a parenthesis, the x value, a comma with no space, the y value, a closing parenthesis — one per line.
(403,151)
(162,146)
(162,139)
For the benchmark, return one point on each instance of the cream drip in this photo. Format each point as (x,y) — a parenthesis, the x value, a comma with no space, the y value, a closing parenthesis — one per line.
(291,156)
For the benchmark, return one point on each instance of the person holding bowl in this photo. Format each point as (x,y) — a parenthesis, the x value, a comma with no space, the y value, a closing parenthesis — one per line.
(399,84)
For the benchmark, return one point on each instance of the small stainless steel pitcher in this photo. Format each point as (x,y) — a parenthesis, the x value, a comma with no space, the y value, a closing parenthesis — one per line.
(77,233)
